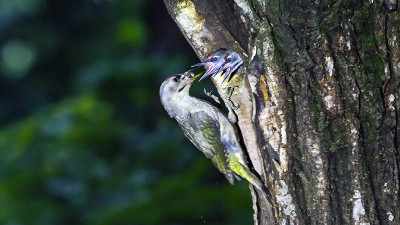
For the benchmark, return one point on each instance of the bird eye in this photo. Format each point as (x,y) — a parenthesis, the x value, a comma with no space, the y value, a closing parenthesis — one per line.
(229,59)
(176,78)
(215,59)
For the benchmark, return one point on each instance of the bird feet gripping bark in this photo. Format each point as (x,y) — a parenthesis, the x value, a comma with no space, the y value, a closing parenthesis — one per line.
(230,106)
(214,97)
(228,102)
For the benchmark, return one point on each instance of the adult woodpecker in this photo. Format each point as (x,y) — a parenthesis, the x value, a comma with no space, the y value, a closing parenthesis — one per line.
(207,128)
(221,60)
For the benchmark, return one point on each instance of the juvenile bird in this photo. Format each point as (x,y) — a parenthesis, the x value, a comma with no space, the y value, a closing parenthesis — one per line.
(232,63)
(221,60)
(213,63)
(207,128)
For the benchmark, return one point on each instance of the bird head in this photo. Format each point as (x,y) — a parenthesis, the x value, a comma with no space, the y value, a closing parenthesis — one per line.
(213,63)
(231,63)
(177,84)
(174,90)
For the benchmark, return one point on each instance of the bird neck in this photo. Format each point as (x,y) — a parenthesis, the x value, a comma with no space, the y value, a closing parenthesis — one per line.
(178,105)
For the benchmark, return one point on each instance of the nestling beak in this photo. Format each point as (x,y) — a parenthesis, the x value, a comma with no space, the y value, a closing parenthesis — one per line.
(208,73)
(221,68)
(210,69)
(202,63)
(231,68)
(198,64)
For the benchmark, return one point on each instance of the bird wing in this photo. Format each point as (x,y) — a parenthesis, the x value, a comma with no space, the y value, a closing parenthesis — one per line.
(204,132)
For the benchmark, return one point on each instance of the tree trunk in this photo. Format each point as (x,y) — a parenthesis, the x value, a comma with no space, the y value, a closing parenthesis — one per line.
(319,101)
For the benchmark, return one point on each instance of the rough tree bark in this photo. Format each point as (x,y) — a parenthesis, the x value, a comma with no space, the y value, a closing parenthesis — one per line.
(320,89)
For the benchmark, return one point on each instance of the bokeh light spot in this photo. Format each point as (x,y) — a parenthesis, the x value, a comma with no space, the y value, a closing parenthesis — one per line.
(132,32)
(17,58)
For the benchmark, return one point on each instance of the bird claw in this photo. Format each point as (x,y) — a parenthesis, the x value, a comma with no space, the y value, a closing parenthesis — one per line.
(230,70)
(214,97)
(228,97)
(229,104)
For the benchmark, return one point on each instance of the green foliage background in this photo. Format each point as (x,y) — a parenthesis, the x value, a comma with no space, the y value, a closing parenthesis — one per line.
(83,136)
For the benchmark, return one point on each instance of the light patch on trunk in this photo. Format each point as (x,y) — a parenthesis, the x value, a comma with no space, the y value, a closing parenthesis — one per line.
(386,189)
(266,47)
(391,98)
(329,64)
(283,134)
(348,45)
(329,102)
(245,7)
(285,201)
(355,96)
(315,152)
(358,209)
(191,22)
(283,151)
(273,87)
(354,139)
(268,53)
(188,18)
(390,216)
(271,118)
(267,120)
(275,132)
(253,53)
(354,130)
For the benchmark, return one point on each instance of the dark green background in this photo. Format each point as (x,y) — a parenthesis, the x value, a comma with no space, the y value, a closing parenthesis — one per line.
(83,136)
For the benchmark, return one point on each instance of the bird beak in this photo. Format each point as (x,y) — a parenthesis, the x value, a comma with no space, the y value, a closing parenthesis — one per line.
(186,79)
(231,69)
(221,68)
(208,73)
(190,77)
(202,63)
(198,64)
(196,76)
